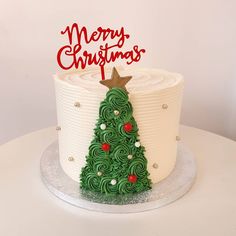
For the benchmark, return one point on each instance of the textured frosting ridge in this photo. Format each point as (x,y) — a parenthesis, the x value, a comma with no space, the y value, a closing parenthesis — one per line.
(143,81)
(115,164)
(148,90)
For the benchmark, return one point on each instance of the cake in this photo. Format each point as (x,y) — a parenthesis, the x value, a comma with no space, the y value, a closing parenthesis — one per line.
(155,98)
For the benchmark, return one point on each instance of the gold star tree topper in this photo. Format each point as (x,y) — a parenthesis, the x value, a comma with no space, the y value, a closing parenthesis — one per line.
(116,80)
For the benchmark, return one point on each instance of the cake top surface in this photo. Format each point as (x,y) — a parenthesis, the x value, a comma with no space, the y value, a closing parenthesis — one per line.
(143,79)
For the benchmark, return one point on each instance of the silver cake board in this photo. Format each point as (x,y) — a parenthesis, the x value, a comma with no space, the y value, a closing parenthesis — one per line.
(166,191)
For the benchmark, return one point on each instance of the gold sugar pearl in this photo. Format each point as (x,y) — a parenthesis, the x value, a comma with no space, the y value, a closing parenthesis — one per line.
(178,138)
(71,158)
(58,128)
(155,165)
(77,104)
(164,106)
(116,112)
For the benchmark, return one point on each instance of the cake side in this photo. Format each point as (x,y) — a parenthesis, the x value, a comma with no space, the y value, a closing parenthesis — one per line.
(156,110)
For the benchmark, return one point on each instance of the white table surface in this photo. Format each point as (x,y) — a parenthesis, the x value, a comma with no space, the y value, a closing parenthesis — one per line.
(27,208)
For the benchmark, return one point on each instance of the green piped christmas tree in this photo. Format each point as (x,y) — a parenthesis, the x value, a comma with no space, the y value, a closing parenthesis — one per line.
(116,163)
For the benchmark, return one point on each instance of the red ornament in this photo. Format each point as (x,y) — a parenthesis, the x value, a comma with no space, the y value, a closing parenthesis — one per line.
(128,127)
(132,178)
(105,147)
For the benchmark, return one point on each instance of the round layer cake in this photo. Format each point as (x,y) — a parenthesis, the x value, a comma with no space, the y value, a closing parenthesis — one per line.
(156,97)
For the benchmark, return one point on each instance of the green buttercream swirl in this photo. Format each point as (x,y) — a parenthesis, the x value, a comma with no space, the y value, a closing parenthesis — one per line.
(121,152)
(95,150)
(110,136)
(106,111)
(102,165)
(93,181)
(138,167)
(117,98)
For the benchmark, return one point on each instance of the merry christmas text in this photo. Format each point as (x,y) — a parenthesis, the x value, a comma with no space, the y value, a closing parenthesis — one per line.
(80,58)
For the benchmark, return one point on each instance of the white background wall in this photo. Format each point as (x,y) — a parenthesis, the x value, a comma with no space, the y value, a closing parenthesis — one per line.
(196,38)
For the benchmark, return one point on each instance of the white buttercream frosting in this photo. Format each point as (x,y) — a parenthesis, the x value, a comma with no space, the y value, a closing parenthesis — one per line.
(148,90)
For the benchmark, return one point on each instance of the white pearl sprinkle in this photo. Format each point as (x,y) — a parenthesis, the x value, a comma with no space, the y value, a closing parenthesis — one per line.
(77,104)
(99,173)
(113,182)
(164,106)
(116,112)
(71,158)
(130,157)
(137,144)
(103,126)
(155,165)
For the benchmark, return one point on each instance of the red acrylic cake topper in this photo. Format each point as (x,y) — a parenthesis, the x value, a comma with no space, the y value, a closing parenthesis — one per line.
(80,57)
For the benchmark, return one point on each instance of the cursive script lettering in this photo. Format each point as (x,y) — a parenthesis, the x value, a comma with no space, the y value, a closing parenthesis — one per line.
(80,58)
